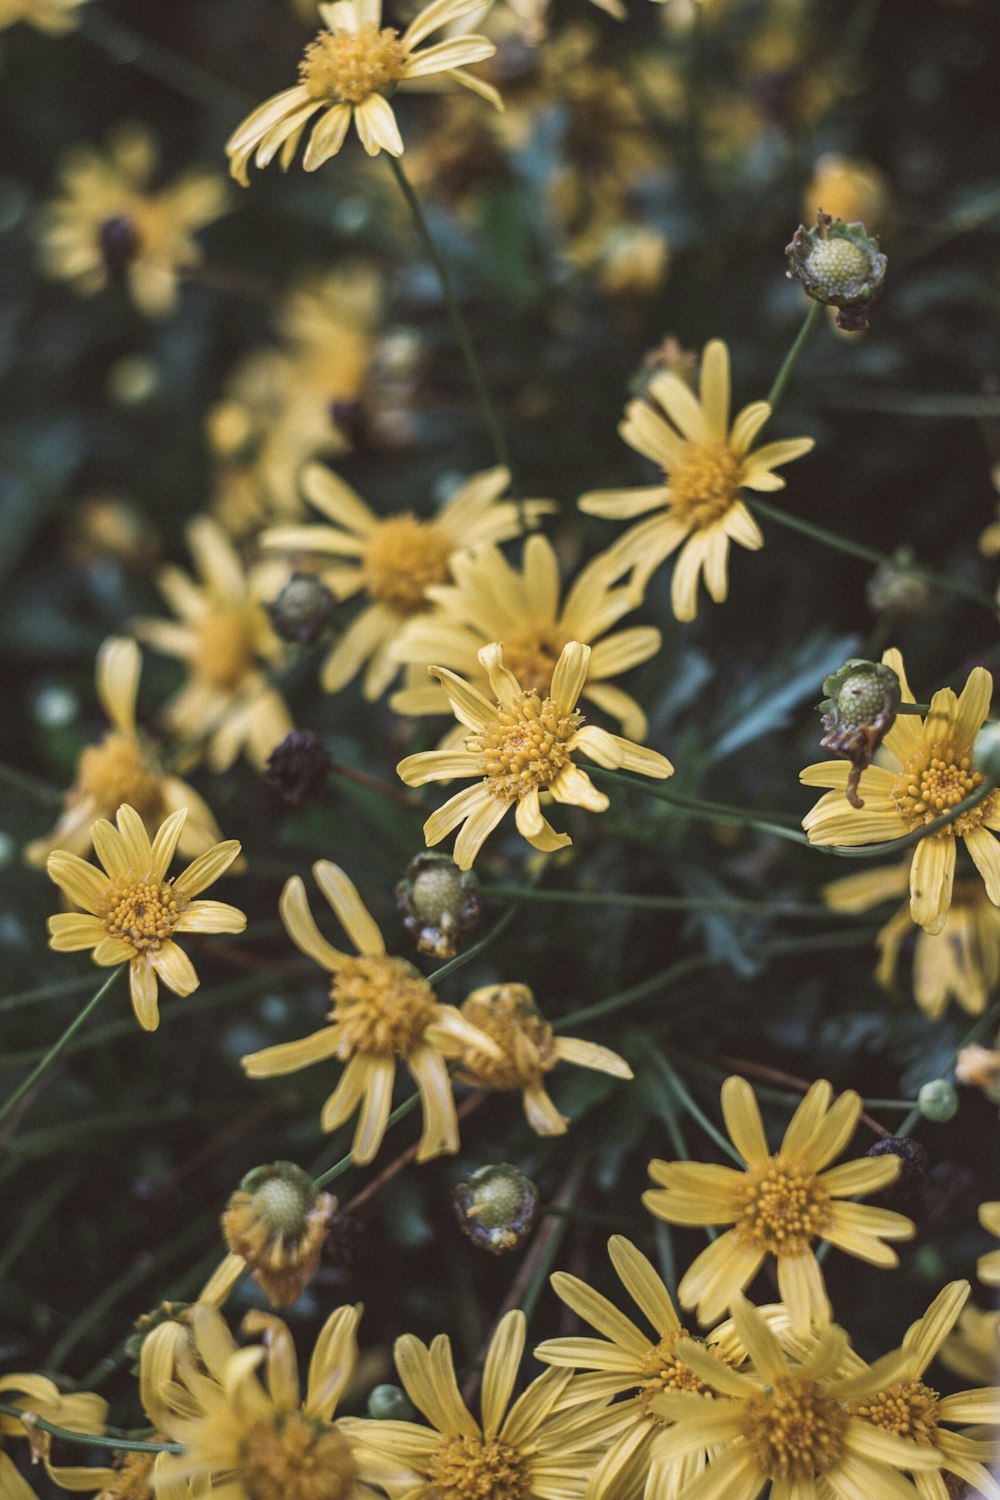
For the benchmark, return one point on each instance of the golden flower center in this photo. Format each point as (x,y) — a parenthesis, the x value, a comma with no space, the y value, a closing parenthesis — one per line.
(347,66)
(143,912)
(782,1207)
(910,1409)
(525,747)
(662,1371)
(132,1477)
(935,782)
(225,648)
(382,1005)
(532,656)
(115,771)
(292,1458)
(404,557)
(794,1430)
(704,484)
(524,1038)
(472,1469)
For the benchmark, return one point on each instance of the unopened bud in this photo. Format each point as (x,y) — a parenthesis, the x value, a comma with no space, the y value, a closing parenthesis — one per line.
(389,1403)
(144,1324)
(896,591)
(840,265)
(986,751)
(303,609)
(938,1101)
(439,903)
(859,709)
(914,1165)
(120,243)
(277,1221)
(298,768)
(496,1207)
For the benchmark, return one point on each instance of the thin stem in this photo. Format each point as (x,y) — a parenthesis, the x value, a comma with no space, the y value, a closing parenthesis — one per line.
(151,57)
(346,1162)
(54,991)
(680,1090)
(640,991)
(721,905)
(87,1439)
(30,786)
(985,1023)
(791,359)
(59,1047)
(477,948)
(483,398)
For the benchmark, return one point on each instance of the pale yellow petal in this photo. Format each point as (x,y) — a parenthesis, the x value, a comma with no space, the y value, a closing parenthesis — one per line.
(144,993)
(119,664)
(742,1116)
(175,969)
(932,875)
(301,927)
(342,894)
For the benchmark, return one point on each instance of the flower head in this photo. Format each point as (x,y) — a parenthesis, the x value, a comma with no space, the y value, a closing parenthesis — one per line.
(277,1223)
(382,1009)
(351,69)
(133,912)
(518,747)
(927,770)
(972,1349)
(779,1204)
(706,463)
(56,16)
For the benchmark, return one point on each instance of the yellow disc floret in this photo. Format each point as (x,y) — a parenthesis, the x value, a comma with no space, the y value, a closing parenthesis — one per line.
(382,1005)
(510,1018)
(348,66)
(910,1409)
(933,783)
(794,1430)
(143,912)
(115,771)
(782,1207)
(292,1458)
(226,646)
(532,657)
(704,484)
(471,1469)
(662,1371)
(404,558)
(525,747)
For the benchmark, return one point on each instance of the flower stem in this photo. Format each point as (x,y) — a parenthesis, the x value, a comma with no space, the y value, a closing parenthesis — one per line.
(59,1047)
(30,786)
(88,1439)
(339,1168)
(791,359)
(486,408)
(680,1091)
(151,57)
(722,905)
(983,1024)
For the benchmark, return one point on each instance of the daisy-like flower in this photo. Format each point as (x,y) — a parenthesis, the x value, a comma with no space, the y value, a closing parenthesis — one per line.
(988,1265)
(133,913)
(382,1009)
(351,68)
(627,1363)
(783,1426)
(960,963)
(527,1049)
(107,220)
(124,768)
(276,1225)
(492,601)
(55,16)
(706,463)
(779,1205)
(527,1450)
(518,747)
(972,1350)
(394,560)
(927,771)
(79,1412)
(224,637)
(910,1408)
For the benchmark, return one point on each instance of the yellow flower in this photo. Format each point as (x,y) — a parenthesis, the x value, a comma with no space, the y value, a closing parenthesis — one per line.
(123,768)
(847,188)
(779,1204)
(973,1352)
(134,912)
(960,963)
(492,601)
(394,560)
(352,67)
(786,1423)
(382,1009)
(988,1266)
(530,1450)
(276,1223)
(527,1049)
(907,1406)
(628,1363)
(106,220)
(56,16)
(520,746)
(706,464)
(928,771)
(80,1412)
(224,637)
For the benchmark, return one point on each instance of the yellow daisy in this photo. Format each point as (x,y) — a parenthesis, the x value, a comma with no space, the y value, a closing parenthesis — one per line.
(382,1009)
(492,601)
(123,768)
(526,1050)
(107,220)
(627,1363)
(519,747)
(706,464)
(224,637)
(988,1265)
(973,1349)
(779,1204)
(786,1424)
(528,1450)
(927,770)
(351,68)
(79,1412)
(394,560)
(133,912)
(56,16)
(960,963)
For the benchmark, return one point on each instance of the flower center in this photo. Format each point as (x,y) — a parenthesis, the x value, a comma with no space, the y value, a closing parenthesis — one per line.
(783,1206)
(132,1477)
(349,66)
(663,1372)
(115,771)
(382,1004)
(292,1458)
(934,783)
(532,657)
(910,1410)
(470,1469)
(704,484)
(224,652)
(405,556)
(794,1430)
(511,1019)
(525,747)
(839,264)
(143,912)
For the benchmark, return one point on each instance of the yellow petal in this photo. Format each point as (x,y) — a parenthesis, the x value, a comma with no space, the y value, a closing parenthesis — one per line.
(715,388)
(932,874)
(569,675)
(742,1116)
(301,927)
(69,932)
(208,867)
(176,969)
(144,991)
(503,1361)
(119,664)
(342,894)
(83,883)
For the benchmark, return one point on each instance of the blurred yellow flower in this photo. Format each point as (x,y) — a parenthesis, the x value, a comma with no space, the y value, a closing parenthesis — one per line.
(350,69)
(520,747)
(706,464)
(56,16)
(973,1350)
(107,220)
(134,912)
(848,189)
(928,771)
(988,1265)
(79,1412)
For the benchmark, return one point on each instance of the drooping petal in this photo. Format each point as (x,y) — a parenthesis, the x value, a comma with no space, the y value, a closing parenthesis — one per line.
(342,894)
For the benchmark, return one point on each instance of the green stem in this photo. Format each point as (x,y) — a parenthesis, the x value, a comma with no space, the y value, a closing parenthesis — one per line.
(54,991)
(722,905)
(640,991)
(41,1208)
(681,1092)
(59,1047)
(148,56)
(985,1023)
(87,1439)
(549,1249)
(346,1162)
(791,359)
(30,786)
(912,708)
(483,398)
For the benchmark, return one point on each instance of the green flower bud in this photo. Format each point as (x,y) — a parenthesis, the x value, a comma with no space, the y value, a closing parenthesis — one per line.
(862,698)
(986,751)
(439,903)
(840,265)
(303,609)
(496,1207)
(388,1403)
(938,1101)
(896,591)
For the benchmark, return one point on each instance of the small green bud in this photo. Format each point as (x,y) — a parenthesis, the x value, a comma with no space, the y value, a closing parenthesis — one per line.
(388,1403)
(840,265)
(439,903)
(166,1312)
(938,1101)
(862,698)
(496,1207)
(986,751)
(894,590)
(283,1195)
(303,609)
